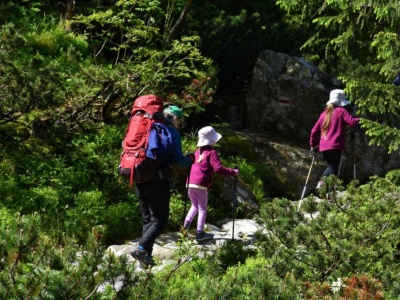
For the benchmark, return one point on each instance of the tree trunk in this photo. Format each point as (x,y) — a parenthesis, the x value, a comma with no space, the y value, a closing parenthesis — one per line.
(179,22)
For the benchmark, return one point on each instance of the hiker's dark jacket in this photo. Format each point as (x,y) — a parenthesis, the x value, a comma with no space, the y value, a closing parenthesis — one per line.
(177,155)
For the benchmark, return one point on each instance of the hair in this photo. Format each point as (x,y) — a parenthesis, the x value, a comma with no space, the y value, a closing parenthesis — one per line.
(201,155)
(168,115)
(171,117)
(327,121)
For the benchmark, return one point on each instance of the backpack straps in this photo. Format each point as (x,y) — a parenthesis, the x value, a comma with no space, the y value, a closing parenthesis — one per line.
(132,172)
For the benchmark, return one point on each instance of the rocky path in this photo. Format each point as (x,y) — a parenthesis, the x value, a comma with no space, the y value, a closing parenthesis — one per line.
(244,230)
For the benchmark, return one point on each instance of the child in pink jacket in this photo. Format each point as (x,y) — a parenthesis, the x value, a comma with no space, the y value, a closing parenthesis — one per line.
(329,133)
(206,163)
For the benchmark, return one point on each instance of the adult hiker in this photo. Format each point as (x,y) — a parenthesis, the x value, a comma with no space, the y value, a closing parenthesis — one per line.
(329,133)
(206,163)
(154,195)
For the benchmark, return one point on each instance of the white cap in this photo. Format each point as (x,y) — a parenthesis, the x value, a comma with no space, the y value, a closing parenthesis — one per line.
(337,97)
(208,136)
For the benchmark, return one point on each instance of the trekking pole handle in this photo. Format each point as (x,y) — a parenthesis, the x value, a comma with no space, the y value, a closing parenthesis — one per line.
(234,187)
(234,204)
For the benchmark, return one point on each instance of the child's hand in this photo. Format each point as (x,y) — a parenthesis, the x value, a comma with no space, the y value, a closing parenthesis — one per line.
(190,155)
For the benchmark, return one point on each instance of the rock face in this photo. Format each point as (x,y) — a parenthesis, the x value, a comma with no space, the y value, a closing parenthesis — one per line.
(289,162)
(285,98)
(287,94)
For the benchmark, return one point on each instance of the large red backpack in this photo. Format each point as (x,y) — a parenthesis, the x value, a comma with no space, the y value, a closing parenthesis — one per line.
(138,164)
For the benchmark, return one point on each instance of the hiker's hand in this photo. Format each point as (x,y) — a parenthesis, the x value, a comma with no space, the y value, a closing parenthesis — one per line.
(236,172)
(314,151)
(190,155)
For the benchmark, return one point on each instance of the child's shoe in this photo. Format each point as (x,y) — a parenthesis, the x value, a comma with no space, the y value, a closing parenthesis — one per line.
(203,236)
(320,184)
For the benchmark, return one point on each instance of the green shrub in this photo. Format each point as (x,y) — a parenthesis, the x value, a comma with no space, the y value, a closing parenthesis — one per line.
(35,266)
(88,212)
(233,253)
(177,206)
(122,221)
(345,237)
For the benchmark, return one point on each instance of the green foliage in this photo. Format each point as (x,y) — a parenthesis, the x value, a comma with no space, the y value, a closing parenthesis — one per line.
(234,143)
(87,212)
(83,77)
(394,176)
(177,206)
(35,266)
(205,279)
(254,175)
(361,223)
(233,253)
(36,64)
(74,186)
(131,38)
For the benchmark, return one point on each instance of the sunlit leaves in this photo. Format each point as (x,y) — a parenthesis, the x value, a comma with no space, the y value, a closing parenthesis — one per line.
(382,135)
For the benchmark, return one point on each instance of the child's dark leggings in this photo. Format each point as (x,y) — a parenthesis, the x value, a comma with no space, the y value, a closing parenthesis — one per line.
(332,158)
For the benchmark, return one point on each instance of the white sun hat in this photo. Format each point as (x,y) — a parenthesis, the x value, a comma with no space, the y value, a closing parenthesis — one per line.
(208,136)
(337,97)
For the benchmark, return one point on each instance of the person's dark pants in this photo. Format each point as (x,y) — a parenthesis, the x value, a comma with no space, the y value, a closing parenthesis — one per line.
(332,158)
(154,198)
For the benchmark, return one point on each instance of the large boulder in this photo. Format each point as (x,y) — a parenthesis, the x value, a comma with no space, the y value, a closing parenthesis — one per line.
(286,95)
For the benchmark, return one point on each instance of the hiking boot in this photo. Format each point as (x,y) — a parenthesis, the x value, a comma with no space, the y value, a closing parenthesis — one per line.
(203,236)
(320,184)
(144,259)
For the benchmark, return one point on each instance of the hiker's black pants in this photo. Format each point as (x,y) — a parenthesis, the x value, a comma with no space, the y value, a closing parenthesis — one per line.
(332,158)
(154,198)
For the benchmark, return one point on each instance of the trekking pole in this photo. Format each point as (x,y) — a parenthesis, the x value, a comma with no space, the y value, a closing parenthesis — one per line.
(186,201)
(305,186)
(234,204)
(340,164)
(354,155)
(186,196)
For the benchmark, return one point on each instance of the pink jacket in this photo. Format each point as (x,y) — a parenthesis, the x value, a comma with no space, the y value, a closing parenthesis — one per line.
(202,172)
(336,135)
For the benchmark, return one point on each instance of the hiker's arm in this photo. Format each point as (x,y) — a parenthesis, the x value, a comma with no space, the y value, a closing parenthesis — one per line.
(350,120)
(218,167)
(315,134)
(178,157)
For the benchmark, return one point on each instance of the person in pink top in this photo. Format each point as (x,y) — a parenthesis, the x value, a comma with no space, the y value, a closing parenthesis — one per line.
(206,163)
(329,133)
